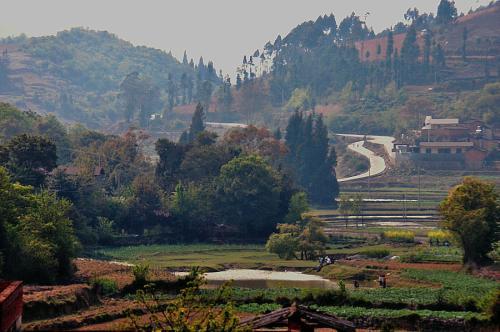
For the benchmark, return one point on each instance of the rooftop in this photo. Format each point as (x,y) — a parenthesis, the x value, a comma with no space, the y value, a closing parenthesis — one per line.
(446,144)
(430,121)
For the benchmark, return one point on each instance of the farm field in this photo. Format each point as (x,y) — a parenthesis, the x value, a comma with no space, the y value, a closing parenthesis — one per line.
(210,257)
(426,284)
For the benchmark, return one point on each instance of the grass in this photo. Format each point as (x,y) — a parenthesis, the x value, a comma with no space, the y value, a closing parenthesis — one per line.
(182,257)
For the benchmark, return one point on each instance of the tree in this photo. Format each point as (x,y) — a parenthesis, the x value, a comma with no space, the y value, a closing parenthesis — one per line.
(130,92)
(447,12)
(37,242)
(345,207)
(465,35)
(312,239)
(409,56)
(47,241)
(298,206)
(145,206)
(285,243)
(171,155)
(248,195)
(30,158)
(204,162)
(471,212)
(197,123)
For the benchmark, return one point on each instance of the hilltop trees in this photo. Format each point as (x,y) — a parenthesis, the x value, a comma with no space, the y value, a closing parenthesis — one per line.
(447,12)
(141,98)
(310,157)
(471,212)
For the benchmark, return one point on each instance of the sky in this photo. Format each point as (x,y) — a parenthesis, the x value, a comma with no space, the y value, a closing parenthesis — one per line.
(218,30)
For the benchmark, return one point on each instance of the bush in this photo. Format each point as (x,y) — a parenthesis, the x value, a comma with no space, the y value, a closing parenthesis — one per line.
(376,253)
(490,304)
(399,236)
(141,274)
(439,237)
(105,286)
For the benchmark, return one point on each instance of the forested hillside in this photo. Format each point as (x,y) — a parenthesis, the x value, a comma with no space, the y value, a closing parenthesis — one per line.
(364,82)
(77,74)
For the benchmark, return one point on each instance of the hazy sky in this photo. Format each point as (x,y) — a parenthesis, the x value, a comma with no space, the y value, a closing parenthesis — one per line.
(220,30)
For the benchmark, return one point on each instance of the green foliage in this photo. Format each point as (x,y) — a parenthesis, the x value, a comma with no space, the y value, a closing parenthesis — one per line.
(490,305)
(311,157)
(361,312)
(106,286)
(300,100)
(29,158)
(141,274)
(471,212)
(495,253)
(36,237)
(459,288)
(306,237)
(297,207)
(197,123)
(446,12)
(105,230)
(376,253)
(247,195)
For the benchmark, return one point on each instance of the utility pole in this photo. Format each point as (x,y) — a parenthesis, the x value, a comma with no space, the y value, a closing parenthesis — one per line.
(404,204)
(418,170)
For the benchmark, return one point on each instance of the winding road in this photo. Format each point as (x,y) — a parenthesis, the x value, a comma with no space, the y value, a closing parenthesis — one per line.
(377,163)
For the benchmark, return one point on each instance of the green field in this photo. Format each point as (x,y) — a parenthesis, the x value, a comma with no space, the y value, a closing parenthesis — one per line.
(182,257)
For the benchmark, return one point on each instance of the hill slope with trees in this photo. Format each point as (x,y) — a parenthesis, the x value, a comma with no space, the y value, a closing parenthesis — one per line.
(77,74)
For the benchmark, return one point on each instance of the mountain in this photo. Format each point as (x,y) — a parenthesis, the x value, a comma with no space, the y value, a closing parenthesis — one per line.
(77,74)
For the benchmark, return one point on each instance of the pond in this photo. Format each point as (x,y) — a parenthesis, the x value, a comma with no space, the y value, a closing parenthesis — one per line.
(247,278)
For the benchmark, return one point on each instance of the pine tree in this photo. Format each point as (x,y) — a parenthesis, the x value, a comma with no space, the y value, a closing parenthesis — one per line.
(465,35)
(409,55)
(427,51)
(277,134)
(388,54)
(184,139)
(185,59)
(238,81)
(447,12)
(293,135)
(197,123)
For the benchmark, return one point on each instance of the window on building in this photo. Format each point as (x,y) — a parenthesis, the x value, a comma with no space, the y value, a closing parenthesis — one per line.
(444,150)
(428,150)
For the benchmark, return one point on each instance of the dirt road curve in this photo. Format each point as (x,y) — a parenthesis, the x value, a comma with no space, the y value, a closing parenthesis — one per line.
(377,164)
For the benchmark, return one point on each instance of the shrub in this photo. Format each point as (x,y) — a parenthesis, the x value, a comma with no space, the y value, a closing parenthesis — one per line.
(439,237)
(490,304)
(495,253)
(141,274)
(399,236)
(106,286)
(376,253)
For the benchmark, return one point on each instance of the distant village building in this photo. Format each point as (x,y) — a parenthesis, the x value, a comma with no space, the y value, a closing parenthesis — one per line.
(449,144)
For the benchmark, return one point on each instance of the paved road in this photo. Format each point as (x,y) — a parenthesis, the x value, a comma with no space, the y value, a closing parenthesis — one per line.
(377,164)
